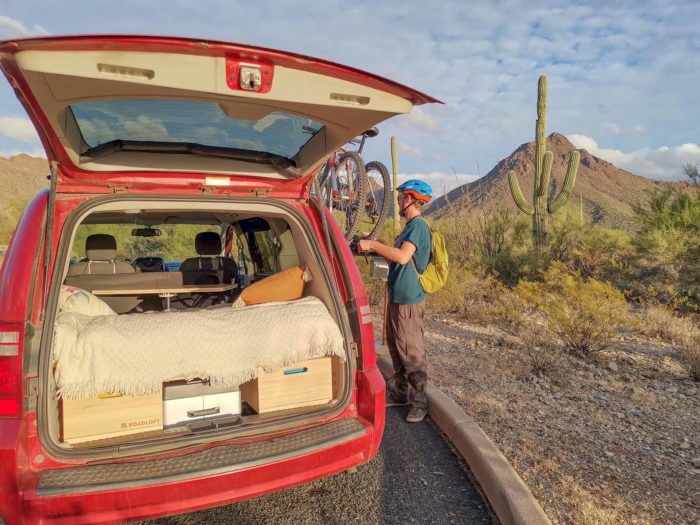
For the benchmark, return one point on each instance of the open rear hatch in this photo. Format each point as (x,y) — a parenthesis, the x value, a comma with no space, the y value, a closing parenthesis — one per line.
(248,337)
(149,113)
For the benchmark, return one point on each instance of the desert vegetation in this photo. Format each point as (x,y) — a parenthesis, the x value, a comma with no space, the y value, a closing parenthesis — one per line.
(580,360)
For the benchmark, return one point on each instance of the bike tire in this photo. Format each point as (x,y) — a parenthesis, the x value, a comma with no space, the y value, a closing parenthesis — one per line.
(378,175)
(325,184)
(356,195)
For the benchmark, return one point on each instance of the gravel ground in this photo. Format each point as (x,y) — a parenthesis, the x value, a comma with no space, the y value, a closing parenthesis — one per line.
(415,478)
(612,442)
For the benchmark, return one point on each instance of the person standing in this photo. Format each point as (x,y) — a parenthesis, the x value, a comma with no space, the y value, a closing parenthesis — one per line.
(406,310)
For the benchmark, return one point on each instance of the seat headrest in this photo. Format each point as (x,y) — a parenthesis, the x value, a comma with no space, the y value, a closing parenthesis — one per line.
(208,243)
(101,247)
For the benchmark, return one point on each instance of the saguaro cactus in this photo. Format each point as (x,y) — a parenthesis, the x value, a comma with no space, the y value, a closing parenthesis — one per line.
(542,206)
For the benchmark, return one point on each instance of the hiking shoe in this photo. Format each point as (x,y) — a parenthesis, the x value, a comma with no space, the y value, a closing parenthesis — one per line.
(391,401)
(416,415)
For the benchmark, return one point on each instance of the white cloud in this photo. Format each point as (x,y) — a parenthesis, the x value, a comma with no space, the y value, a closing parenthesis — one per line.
(637,129)
(664,163)
(12,28)
(34,152)
(417,120)
(441,183)
(634,131)
(145,128)
(413,151)
(611,127)
(18,128)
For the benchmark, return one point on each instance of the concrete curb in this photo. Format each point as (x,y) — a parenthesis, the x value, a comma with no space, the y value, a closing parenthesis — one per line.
(507,493)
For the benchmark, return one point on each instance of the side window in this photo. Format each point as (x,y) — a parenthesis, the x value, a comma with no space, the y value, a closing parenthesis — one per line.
(265,243)
(261,243)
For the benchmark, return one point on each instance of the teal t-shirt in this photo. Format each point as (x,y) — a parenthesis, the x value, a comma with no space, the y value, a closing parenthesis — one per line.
(404,287)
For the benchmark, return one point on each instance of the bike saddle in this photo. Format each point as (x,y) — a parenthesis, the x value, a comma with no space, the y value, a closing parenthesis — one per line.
(371,132)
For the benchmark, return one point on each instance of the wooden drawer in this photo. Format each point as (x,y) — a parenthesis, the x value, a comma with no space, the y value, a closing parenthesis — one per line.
(301,384)
(89,419)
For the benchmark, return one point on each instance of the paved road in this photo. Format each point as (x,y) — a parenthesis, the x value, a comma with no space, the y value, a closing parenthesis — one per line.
(415,478)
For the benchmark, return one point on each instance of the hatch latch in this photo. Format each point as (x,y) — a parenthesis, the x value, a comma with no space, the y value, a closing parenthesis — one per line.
(31,392)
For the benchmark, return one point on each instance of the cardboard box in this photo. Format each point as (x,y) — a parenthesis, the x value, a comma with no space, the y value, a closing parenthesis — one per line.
(103,417)
(187,401)
(302,384)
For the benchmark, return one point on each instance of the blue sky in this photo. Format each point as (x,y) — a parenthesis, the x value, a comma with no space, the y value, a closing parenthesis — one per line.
(624,76)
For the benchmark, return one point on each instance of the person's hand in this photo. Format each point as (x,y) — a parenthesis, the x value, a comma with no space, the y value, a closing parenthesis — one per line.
(364,245)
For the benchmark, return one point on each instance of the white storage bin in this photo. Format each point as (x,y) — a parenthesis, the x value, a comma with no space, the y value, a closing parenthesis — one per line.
(188,401)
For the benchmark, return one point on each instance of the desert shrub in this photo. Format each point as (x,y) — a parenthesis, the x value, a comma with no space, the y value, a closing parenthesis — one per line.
(659,321)
(9,216)
(375,288)
(542,355)
(497,243)
(690,355)
(584,314)
(452,227)
(667,259)
(478,297)
(451,298)
(591,250)
(683,333)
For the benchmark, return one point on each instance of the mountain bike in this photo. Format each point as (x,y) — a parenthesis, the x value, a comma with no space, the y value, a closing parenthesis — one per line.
(358,194)
(342,183)
(378,195)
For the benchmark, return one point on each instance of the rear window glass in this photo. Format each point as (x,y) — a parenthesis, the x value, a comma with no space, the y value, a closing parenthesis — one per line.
(186,121)
(175,242)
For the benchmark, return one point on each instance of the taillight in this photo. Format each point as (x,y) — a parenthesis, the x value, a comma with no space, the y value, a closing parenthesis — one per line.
(10,385)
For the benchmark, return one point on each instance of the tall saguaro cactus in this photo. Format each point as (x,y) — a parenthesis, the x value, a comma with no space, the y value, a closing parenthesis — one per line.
(542,206)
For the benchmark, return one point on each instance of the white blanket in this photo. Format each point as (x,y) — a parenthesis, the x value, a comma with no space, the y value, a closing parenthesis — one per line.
(135,353)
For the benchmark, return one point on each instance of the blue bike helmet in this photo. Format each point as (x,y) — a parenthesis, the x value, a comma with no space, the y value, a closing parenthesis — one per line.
(418,189)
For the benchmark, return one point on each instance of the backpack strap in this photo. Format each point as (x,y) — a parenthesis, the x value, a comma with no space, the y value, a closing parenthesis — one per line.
(415,267)
(430,257)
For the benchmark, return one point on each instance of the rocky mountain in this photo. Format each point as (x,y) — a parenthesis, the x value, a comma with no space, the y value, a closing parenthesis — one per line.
(608,193)
(21,177)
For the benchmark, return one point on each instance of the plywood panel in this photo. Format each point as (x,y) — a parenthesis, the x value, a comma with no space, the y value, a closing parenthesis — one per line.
(98,418)
(301,384)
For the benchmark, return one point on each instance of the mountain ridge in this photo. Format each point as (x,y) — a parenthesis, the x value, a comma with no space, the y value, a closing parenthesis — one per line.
(608,193)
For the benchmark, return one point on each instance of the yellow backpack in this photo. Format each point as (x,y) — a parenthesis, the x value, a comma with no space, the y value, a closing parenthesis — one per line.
(435,275)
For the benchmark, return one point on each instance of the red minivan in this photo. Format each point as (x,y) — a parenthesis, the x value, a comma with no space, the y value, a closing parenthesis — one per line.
(204,152)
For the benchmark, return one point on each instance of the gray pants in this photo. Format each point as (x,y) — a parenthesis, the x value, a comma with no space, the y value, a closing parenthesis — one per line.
(405,338)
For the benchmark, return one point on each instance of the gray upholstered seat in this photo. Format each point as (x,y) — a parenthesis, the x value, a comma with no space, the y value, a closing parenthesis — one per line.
(101,252)
(210,267)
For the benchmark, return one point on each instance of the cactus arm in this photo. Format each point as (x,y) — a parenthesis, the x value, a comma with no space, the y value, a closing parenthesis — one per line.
(517,194)
(546,173)
(568,185)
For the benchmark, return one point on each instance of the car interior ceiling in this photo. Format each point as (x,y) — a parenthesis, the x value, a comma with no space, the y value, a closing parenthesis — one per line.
(215,256)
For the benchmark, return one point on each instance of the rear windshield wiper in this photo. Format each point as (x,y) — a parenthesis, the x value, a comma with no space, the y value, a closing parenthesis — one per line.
(259,157)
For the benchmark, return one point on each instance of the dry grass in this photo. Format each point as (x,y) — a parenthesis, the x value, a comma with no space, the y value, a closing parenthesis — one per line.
(543,356)
(660,322)
(478,298)
(584,507)
(589,509)
(601,418)
(643,397)
(690,355)
(682,332)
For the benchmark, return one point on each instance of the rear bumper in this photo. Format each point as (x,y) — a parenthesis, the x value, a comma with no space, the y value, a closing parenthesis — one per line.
(215,476)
